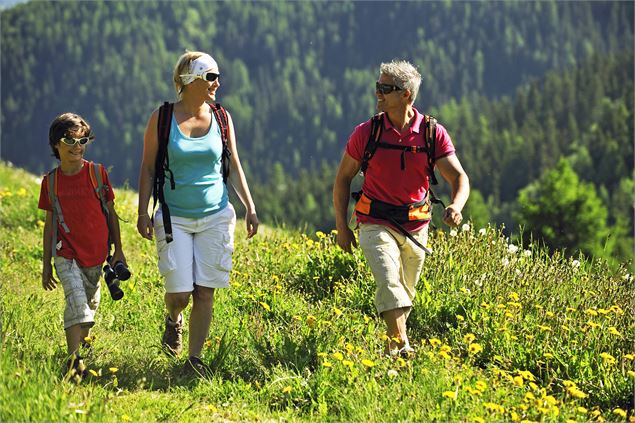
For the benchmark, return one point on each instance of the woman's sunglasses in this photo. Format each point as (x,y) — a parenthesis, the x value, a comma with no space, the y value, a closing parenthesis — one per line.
(386,88)
(81,141)
(205,76)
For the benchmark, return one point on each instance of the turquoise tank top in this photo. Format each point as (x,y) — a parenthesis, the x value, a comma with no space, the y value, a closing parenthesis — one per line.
(196,165)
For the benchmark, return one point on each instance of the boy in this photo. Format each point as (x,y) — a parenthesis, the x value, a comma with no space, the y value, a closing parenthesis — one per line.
(77,232)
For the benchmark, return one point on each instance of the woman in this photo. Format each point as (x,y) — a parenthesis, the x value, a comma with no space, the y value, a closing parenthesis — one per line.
(198,259)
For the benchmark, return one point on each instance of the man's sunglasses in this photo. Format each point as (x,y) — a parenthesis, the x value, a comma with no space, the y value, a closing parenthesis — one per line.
(205,76)
(386,88)
(81,141)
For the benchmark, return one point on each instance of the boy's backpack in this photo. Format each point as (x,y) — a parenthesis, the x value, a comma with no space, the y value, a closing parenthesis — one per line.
(399,214)
(162,162)
(100,189)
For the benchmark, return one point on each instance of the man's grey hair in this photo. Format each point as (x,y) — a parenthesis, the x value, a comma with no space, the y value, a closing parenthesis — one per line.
(405,75)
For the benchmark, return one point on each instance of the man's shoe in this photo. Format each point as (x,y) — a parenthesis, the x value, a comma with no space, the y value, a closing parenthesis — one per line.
(194,367)
(173,336)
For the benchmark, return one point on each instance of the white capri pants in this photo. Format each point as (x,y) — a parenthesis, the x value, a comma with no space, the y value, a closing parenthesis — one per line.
(200,252)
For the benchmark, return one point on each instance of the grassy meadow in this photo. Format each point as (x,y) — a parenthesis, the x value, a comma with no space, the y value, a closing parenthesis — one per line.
(501,333)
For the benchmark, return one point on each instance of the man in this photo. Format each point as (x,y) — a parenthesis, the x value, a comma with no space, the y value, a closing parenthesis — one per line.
(396,175)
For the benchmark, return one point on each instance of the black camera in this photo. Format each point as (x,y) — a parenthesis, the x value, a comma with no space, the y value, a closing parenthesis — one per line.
(112,276)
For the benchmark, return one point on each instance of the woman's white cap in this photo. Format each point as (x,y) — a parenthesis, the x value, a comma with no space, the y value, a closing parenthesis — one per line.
(198,66)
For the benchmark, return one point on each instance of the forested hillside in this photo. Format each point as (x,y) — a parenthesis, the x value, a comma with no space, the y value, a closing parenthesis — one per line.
(518,85)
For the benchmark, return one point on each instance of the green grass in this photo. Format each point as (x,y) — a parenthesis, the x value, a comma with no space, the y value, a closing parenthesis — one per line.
(500,334)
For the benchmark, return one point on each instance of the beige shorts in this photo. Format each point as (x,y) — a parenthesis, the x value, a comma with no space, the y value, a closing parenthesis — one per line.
(200,252)
(81,291)
(395,262)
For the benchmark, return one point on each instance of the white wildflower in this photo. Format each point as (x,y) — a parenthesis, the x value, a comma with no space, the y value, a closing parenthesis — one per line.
(505,262)
(465,227)
(511,249)
(453,232)
(518,272)
(575,264)
(527,253)
(393,373)
(482,231)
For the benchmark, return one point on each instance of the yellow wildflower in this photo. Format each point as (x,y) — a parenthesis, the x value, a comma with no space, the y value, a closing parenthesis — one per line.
(548,355)
(481,385)
(368,363)
(477,419)
(347,363)
(338,356)
(286,389)
(322,354)
(576,393)
(608,358)
(434,342)
(327,363)
(549,314)
(94,373)
(449,394)
(620,412)
(527,375)
(113,369)
(460,318)
(630,373)
(125,418)
(311,320)
(613,331)
(616,309)
(518,381)
(570,310)
(514,296)
(337,311)
(444,355)
(603,311)
(468,338)
(629,356)
(591,312)
(544,328)
(581,410)
(474,348)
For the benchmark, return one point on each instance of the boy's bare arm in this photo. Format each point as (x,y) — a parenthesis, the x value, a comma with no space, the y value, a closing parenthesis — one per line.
(48,280)
(115,234)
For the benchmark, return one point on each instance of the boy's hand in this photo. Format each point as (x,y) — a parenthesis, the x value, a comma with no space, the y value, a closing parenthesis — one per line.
(118,255)
(49,282)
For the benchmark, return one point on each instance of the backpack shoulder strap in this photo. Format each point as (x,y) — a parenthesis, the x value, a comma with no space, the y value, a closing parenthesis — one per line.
(58,217)
(377,124)
(430,142)
(95,170)
(162,166)
(223,123)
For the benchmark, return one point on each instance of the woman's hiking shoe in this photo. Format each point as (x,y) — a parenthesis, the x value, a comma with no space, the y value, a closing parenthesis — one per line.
(194,367)
(173,336)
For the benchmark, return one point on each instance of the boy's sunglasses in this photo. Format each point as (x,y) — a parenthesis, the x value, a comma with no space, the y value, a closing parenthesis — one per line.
(205,76)
(386,88)
(80,141)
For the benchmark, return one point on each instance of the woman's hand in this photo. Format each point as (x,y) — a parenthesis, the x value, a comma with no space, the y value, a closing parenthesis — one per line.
(251,220)
(144,226)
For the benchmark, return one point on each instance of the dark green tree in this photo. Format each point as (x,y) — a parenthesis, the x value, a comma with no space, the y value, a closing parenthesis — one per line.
(564,212)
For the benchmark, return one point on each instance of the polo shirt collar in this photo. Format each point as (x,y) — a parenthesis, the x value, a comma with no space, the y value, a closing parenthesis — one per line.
(415,127)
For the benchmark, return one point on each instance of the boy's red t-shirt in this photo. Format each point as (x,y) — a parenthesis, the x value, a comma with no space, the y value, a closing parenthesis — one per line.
(87,241)
(384,180)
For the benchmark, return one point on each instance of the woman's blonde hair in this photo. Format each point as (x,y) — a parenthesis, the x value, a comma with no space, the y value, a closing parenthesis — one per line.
(183,67)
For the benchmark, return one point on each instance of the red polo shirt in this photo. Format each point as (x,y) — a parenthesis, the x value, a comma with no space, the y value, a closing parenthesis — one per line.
(384,180)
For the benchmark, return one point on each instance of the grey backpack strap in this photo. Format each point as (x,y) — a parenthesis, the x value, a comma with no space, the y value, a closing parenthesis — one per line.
(58,217)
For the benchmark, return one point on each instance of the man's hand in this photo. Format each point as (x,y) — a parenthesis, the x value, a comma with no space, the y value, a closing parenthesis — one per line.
(346,239)
(451,217)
